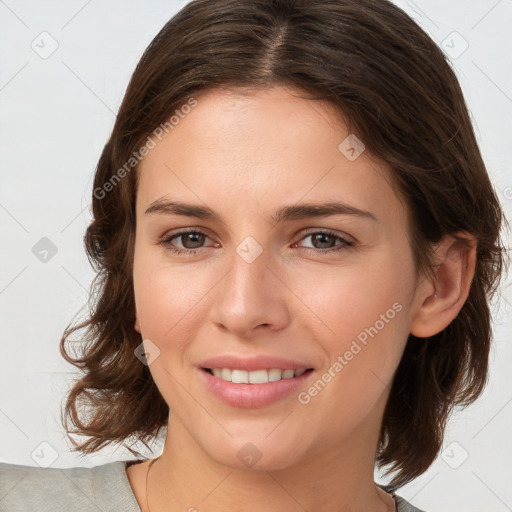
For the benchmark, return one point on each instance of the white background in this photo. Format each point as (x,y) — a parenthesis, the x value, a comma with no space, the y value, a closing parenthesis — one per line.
(57,113)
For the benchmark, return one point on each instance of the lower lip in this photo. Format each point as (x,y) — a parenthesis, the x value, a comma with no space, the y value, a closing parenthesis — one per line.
(249,396)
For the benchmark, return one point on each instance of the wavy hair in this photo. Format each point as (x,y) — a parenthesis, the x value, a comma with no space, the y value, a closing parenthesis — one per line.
(394,87)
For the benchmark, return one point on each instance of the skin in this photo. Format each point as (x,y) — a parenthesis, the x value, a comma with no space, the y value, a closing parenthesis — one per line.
(244,155)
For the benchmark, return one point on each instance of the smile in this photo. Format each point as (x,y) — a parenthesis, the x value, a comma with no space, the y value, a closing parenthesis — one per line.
(238,376)
(255,388)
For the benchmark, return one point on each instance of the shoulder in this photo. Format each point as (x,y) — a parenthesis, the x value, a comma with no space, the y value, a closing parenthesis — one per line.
(405,506)
(105,487)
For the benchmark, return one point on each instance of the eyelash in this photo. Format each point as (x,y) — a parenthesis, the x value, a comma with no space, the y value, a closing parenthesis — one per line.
(345,242)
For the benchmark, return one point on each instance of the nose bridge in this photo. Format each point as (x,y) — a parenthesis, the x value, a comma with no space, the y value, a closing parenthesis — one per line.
(250,294)
(249,279)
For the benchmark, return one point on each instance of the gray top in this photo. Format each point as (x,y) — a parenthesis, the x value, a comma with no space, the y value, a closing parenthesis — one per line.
(103,488)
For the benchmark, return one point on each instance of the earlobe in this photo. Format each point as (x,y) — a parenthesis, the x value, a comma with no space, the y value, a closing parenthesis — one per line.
(440,299)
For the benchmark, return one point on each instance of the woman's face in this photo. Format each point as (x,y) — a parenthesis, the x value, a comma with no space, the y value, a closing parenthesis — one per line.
(266,282)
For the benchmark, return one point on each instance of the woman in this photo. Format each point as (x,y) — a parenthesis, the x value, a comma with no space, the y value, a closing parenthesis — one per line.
(296,242)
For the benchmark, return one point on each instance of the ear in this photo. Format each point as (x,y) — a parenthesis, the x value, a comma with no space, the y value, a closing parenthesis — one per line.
(439,300)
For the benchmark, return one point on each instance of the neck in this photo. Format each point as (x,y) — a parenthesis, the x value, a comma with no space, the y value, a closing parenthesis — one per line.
(185,478)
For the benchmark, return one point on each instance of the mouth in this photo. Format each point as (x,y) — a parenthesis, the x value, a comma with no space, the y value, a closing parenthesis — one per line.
(263,376)
(249,389)
(256,380)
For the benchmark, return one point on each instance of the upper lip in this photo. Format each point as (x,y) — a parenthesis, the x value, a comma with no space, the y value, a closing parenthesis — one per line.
(262,362)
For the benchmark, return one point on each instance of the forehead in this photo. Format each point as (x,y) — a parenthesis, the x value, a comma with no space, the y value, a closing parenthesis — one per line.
(262,148)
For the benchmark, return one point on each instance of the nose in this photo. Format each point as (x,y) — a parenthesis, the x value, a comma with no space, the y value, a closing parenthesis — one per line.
(251,296)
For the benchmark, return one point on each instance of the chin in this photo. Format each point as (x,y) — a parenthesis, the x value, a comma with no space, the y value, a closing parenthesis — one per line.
(257,455)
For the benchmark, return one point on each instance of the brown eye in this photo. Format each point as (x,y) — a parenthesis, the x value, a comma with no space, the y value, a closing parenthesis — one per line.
(184,241)
(327,241)
(192,240)
(323,240)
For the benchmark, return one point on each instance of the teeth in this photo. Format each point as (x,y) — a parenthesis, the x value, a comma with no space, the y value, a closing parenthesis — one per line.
(288,374)
(239,376)
(274,375)
(256,376)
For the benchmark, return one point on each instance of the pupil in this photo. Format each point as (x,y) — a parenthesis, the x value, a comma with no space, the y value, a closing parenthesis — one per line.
(321,238)
(195,238)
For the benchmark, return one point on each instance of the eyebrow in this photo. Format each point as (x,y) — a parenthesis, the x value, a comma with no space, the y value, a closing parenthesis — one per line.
(293,212)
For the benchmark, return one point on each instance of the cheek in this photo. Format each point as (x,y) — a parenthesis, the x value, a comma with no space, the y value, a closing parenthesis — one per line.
(167,296)
(370,332)
(361,319)
(344,301)
(169,308)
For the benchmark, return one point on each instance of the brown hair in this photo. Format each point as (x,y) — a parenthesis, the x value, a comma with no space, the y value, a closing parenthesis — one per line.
(398,93)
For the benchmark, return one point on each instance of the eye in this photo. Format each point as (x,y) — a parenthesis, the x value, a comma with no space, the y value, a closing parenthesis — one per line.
(190,240)
(325,241)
